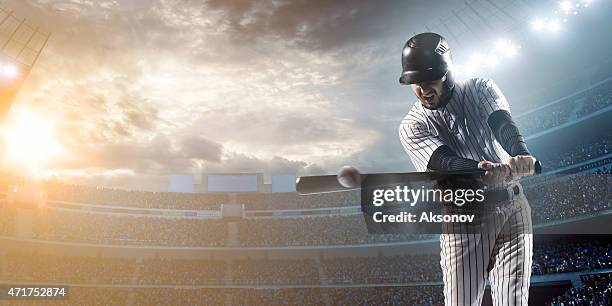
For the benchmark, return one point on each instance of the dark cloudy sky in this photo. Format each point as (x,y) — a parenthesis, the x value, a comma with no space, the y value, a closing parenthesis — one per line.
(141,89)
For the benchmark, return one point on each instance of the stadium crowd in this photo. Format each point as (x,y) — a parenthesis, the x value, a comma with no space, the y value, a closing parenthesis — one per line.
(382,270)
(417,295)
(159,271)
(275,272)
(145,199)
(302,296)
(154,276)
(561,112)
(600,98)
(572,255)
(570,196)
(320,230)
(599,146)
(195,201)
(87,296)
(7,220)
(180,296)
(56,224)
(420,295)
(596,290)
(291,200)
(564,197)
(555,255)
(62,269)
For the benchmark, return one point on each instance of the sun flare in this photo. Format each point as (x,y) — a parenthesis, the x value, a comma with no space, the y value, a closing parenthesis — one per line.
(29,140)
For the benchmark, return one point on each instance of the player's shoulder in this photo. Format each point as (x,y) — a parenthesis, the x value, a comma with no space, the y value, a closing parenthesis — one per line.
(478,89)
(474,82)
(414,116)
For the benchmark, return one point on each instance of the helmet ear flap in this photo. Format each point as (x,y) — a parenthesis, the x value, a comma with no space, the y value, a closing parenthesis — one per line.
(448,87)
(449,83)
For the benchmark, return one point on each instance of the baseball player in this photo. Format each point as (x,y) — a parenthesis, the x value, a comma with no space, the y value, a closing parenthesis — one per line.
(467,125)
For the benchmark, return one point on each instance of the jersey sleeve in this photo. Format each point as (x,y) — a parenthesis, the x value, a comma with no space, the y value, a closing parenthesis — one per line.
(491,98)
(418,141)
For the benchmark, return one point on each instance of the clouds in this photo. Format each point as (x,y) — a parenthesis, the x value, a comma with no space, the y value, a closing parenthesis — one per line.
(201,148)
(142,89)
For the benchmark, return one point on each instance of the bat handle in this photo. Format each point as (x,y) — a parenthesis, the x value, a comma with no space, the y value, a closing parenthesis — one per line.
(538,167)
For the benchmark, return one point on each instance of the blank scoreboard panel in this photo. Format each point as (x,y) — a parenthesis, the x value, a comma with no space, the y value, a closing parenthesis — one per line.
(283,183)
(181,183)
(233,183)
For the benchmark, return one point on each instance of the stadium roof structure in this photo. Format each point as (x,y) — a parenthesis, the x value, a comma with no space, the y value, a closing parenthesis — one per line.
(20,47)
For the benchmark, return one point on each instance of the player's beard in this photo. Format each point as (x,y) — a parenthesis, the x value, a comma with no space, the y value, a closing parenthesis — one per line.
(438,101)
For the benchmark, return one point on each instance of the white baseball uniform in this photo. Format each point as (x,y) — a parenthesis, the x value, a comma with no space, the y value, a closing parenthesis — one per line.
(502,252)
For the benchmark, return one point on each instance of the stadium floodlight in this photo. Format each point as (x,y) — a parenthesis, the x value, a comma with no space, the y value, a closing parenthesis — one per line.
(553,25)
(476,58)
(506,48)
(566,5)
(492,61)
(8,70)
(20,47)
(537,24)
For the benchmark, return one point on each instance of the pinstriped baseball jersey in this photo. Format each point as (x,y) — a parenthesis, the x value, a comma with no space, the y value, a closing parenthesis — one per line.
(461,124)
(502,252)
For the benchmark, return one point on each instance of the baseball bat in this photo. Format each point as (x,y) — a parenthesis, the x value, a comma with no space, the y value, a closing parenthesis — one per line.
(329,183)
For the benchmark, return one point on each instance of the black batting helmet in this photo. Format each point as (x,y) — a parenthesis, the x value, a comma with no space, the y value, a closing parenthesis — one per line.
(425,57)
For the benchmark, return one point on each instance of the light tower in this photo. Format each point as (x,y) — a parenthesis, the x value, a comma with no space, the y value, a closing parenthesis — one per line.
(20,47)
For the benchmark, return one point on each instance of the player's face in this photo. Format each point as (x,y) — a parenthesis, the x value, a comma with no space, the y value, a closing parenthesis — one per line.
(429,93)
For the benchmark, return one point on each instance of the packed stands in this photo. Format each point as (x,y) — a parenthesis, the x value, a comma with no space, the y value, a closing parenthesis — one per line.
(302,296)
(578,195)
(599,146)
(88,296)
(7,221)
(565,197)
(379,270)
(596,290)
(161,271)
(572,255)
(275,272)
(118,197)
(177,296)
(419,295)
(276,201)
(196,201)
(56,224)
(322,230)
(62,269)
(572,107)
(552,256)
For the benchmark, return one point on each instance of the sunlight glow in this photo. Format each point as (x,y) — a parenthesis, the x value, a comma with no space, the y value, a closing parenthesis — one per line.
(29,140)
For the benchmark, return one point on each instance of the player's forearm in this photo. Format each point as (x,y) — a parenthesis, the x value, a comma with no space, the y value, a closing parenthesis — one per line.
(445,159)
(507,134)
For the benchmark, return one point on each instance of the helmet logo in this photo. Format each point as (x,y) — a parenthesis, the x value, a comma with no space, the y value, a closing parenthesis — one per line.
(441,48)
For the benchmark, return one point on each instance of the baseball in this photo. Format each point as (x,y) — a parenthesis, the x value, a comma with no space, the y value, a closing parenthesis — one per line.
(349,177)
